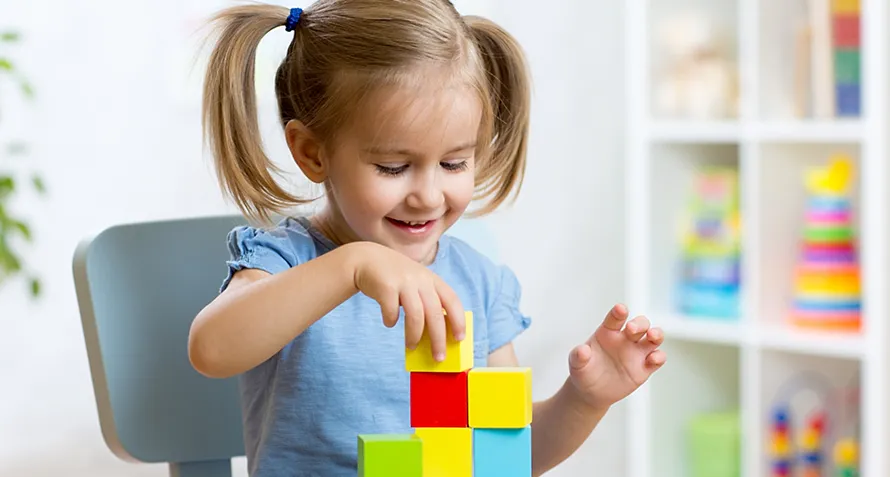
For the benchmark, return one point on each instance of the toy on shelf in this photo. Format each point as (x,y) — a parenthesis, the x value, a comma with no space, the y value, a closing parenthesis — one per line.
(467,421)
(827,283)
(714,440)
(711,258)
(698,79)
(828,421)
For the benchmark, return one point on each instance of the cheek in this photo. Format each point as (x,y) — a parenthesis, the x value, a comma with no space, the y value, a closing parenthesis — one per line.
(461,190)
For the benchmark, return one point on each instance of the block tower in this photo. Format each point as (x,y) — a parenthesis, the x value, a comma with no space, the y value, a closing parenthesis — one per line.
(467,421)
(827,281)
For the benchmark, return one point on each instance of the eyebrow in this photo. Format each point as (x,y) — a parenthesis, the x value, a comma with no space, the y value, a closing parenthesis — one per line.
(383,151)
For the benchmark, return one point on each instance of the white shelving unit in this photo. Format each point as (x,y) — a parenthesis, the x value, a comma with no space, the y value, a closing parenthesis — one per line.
(723,365)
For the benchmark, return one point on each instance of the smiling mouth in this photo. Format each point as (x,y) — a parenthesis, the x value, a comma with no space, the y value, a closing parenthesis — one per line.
(411,224)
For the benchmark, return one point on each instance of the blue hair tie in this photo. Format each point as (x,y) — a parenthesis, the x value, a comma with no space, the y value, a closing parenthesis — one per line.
(293,18)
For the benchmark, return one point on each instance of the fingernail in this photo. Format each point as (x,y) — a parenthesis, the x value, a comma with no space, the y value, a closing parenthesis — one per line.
(460,336)
(440,357)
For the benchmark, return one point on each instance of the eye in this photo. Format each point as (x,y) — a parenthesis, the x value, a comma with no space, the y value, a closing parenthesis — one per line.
(455,166)
(391,170)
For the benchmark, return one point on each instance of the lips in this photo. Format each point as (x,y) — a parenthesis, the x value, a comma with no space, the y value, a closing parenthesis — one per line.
(413,226)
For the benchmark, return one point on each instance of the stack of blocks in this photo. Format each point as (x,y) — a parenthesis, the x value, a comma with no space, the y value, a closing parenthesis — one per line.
(467,421)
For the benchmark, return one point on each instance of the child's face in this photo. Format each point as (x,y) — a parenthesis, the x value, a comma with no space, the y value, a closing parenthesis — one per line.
(403,173)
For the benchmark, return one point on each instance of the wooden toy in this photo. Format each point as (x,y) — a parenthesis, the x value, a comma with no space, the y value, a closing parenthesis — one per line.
(502,452)
(447,451)
(467,421)
(458,354)
(500,397)
(846,458)
(781,443)
(439,399)
(390,455)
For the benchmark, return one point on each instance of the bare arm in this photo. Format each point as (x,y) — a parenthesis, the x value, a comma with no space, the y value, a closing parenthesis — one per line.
(259,313)
(560,424)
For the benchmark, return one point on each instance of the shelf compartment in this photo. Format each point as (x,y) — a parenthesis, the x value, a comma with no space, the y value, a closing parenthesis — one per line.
(783,212)
(702,279)
(803,388)
(695,395)
(682,85)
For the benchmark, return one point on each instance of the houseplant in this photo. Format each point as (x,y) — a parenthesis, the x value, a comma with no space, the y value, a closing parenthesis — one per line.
(15,231)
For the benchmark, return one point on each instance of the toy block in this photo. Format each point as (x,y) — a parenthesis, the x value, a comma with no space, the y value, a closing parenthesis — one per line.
(439,400)
(502,452)
(500,397)
(447,452)
(846,7)
(390,455)
(458,354)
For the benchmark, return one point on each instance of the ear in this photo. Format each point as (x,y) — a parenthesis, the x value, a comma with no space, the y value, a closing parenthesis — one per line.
(306,150)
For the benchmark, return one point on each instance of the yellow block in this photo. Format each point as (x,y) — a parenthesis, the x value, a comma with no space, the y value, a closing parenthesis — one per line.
(500,397)
(447,451)
(845,6)
(458,354)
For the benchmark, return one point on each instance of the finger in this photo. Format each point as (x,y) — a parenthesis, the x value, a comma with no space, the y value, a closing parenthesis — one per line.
(453,309)
(389,308)
(656,359)
(579,357)
(615,318)
(435,328)
(432,307)
(637,328)
(654,338)
(414,320)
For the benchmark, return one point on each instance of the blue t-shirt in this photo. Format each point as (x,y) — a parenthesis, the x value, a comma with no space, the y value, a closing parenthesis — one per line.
(345,375)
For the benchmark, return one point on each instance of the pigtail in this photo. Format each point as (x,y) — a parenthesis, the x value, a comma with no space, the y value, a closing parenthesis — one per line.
(502,171)
(229,113)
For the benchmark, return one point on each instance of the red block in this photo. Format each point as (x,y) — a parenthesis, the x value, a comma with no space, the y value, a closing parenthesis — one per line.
(439,400)
(846,31)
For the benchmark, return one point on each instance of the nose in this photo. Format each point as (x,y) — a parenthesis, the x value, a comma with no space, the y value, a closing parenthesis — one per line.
(426,192)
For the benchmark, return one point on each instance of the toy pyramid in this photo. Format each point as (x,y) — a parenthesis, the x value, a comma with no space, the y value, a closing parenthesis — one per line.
(467,421)
(827,283)
(711,256)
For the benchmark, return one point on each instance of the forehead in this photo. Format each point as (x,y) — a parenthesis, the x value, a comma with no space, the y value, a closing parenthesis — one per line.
(420,114)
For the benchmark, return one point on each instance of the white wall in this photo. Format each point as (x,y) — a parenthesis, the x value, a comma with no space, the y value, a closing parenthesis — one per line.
(118,140)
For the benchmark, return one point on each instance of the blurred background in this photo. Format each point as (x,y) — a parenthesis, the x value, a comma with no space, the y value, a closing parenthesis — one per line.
(709,162)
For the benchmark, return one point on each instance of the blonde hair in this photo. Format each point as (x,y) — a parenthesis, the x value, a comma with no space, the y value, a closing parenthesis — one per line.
(341,50)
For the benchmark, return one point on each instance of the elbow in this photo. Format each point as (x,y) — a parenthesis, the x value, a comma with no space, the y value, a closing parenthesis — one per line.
(204,352)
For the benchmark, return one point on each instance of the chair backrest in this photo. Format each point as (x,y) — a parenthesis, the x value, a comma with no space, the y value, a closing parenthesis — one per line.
(138,288)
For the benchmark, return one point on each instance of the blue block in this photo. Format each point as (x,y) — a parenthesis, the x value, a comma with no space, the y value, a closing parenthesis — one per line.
(502,452)
(849,100)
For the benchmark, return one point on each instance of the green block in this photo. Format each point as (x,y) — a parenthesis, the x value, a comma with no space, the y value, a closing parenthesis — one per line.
(714,445)
(390,455)
(847,66)
(848,472)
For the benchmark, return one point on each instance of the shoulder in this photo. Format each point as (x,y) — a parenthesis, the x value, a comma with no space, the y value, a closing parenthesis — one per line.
(494,284)
(271,249)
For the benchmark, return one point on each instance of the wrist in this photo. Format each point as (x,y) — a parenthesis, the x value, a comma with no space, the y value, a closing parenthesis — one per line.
(356,256)
(576,400)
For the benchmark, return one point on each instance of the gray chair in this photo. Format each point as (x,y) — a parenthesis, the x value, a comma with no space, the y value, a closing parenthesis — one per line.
(138,288)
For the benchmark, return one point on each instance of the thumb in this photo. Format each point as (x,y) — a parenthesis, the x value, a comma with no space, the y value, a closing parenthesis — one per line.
(579,357)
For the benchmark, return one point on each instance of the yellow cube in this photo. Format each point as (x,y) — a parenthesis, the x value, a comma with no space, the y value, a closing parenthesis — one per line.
(458,354)
(500,398)
(447,451)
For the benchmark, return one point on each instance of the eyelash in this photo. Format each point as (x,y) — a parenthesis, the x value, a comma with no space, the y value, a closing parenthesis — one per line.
(449,166)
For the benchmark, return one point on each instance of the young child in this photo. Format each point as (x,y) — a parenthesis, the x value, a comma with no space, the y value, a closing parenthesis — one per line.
(405,111)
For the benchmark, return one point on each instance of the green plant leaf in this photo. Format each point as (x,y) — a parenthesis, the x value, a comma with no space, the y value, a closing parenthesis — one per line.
(27,89)
(38,184)
(22,227)
(35,287)
(9,262)
(9,36)
(7,186)
(5,64)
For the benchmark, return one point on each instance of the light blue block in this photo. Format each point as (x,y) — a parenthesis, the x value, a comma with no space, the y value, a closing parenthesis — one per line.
(502,452)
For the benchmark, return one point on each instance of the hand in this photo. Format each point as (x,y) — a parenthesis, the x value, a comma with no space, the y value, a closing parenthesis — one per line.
(615,362)
(394,280)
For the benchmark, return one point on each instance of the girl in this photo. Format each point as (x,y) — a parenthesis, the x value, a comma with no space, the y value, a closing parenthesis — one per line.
(405,111)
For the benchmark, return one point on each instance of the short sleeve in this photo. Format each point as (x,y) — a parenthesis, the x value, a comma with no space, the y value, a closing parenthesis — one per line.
(505,320)
(253,248)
